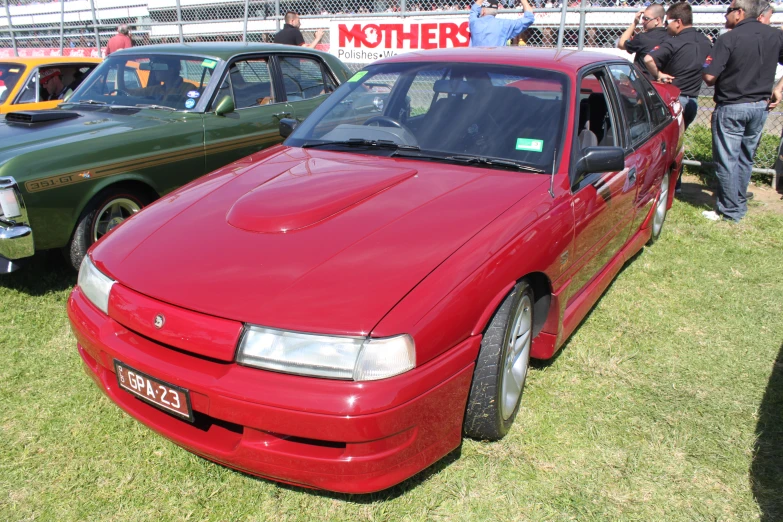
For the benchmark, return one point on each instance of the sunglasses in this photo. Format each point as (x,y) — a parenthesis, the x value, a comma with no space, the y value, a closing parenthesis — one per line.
(731,10)
(646,19)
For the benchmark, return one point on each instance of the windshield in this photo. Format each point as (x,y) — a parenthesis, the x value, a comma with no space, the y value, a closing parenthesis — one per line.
(450,111)
(10,73)
(144,79)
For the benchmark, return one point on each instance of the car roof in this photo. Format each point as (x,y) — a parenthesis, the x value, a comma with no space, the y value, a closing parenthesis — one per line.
(566,60)
(43,60)
(221,50)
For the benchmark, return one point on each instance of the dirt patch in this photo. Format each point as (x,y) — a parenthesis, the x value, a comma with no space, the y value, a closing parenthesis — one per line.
(694,191)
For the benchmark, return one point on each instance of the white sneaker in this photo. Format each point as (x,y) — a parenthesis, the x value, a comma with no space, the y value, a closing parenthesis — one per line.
(711,215)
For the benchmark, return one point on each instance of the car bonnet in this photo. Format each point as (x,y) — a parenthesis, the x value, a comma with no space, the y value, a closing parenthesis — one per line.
(306,240)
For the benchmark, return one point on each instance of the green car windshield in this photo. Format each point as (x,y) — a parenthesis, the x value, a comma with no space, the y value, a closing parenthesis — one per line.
(163,80)
(10,73)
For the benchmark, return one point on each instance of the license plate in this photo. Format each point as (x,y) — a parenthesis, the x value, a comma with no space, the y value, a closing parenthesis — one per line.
(167,397)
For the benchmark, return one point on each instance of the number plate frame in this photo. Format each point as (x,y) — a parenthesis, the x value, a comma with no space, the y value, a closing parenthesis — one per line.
(123,370)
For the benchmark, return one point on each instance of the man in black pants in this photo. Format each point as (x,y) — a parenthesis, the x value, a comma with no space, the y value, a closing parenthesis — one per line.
(653,33)
(680,59)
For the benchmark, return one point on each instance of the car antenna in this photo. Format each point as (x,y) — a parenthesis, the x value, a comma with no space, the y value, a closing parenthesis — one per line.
(552,179)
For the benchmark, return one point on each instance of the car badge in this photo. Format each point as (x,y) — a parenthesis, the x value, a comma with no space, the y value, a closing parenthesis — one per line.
(159,321)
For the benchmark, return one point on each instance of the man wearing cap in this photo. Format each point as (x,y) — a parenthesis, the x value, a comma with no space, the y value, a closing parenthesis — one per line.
(486,30)
(52,83)
(653,34)
(742,67)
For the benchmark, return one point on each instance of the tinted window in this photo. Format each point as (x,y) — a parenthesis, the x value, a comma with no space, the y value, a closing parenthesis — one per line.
(658,110)
(303,78)
(29,92)
(631,91)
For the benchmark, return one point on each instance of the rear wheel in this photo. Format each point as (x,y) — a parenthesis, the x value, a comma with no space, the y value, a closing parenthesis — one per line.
(502,367)
(104,213)
(659,215)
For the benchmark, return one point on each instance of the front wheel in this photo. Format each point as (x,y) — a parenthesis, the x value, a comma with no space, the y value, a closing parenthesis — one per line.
(502,367)
(104,213)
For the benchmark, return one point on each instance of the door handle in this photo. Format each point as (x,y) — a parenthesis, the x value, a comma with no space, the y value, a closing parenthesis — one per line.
(281,115)
(663,146)
(632,175)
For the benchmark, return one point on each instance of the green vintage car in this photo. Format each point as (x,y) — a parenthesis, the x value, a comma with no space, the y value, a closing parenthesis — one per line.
(147,121)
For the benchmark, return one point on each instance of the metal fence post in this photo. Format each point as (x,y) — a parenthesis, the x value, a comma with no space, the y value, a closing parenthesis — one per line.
(403,8)
(277,15)
(62,23)
(582,17)
(179,22)
(561,31)
(11,29)
(95,27)
(244,27)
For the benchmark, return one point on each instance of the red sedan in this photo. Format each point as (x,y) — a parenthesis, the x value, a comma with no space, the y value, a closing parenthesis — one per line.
(337,311)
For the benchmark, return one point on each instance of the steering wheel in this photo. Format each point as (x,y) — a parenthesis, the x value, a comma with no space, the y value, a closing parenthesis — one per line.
(119,92)
(390,121)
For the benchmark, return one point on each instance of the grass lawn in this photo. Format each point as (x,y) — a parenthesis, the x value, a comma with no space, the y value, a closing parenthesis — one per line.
(666,404)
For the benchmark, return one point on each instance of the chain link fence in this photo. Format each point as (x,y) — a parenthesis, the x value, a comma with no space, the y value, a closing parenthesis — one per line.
(84,26)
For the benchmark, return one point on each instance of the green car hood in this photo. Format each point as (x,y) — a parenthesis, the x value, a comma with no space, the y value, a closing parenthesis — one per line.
(86,130)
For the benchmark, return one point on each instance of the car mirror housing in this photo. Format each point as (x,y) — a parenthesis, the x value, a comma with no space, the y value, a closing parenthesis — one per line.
(225,105)
(287,126)
(600,159)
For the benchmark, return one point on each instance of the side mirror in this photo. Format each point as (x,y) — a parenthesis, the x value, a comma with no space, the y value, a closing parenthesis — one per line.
(287,126)
(600,159)
(225,105)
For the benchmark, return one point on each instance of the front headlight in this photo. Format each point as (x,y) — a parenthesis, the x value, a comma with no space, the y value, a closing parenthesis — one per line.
(95,285)
(348,358)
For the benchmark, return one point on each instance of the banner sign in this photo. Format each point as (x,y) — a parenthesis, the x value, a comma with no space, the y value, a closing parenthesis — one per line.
(367,40)
(80,52)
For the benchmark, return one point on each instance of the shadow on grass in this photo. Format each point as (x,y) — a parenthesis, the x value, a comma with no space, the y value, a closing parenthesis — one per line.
(41,274)
(766,471)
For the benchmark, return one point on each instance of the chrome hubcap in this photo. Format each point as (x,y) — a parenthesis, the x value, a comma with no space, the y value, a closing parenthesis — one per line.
(112,214)
(660,209)
(517,358)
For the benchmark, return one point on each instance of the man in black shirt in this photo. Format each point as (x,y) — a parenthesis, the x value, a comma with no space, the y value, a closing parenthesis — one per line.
(291,35)
(654,33)
(742,67)
(679,60)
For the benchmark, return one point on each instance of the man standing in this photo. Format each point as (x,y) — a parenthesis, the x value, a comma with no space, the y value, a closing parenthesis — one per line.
(291,35)
(742,67)
(121,40)
(679,60)
(488,31)
(653,34)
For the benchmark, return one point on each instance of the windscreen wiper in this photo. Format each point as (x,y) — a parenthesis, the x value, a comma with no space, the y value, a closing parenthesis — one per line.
(89,102)
(471,160)
(360,142)
(153,106)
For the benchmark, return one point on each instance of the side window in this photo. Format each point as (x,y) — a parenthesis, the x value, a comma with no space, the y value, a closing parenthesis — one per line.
(595,125)
(251,83)
(658,110)
(631,92)
(303,78)
(132,79)
(29,92)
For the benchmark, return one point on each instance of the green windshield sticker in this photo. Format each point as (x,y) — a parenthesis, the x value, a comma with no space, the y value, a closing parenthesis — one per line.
(209,64)
(531,145)
(358,76)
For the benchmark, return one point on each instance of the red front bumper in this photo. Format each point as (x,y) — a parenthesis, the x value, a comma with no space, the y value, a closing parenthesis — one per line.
(341,436)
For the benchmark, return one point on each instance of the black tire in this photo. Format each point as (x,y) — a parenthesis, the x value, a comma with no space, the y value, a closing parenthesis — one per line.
(484,417)
(660,207)
(82,238)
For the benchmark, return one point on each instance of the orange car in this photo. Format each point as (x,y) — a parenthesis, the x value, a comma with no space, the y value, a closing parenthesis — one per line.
(20,87)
